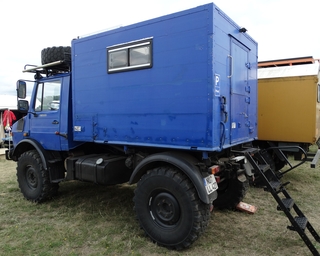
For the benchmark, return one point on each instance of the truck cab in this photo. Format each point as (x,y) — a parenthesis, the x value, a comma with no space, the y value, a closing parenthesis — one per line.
(48,116)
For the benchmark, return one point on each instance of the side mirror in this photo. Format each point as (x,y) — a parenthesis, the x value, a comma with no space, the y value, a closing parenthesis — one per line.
(23,106)
(21,89)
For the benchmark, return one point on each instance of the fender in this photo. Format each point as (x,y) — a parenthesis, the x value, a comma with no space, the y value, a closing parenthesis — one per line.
(184,162)
(29,144)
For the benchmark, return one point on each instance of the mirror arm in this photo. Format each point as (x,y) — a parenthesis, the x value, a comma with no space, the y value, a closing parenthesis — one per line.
(33,113)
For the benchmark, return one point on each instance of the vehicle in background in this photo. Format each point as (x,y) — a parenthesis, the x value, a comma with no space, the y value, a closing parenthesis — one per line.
(289,106)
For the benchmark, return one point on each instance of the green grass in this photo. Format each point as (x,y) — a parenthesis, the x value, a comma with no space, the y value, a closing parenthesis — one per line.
(86,219)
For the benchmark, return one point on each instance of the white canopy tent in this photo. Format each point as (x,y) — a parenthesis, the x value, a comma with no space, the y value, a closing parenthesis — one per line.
(8,102)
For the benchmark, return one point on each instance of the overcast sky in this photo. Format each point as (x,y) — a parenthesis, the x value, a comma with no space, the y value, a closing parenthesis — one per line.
(282,28)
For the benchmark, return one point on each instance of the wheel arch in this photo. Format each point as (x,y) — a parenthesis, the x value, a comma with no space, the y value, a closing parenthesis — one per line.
(29,144)
(184,162)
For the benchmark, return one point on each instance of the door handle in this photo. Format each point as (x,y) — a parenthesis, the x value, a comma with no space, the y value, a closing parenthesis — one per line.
(231,66)
(55,122)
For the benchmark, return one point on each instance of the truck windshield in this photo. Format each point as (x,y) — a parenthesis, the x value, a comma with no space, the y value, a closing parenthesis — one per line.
(48,96)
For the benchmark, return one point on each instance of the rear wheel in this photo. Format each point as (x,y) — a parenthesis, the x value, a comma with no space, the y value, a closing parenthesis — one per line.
(168,208)
(33,179)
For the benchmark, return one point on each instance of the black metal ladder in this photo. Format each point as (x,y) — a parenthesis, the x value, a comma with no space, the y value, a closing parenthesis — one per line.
(272,184)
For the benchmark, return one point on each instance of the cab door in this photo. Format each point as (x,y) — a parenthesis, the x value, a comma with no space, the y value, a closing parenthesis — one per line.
(45,119)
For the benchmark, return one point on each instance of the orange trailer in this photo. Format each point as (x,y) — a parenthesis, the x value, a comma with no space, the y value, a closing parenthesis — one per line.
(289,102)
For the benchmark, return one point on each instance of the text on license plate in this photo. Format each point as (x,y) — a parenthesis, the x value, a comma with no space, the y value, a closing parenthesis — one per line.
(210,184)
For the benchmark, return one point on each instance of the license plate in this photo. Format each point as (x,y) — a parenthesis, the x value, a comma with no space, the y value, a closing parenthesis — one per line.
(210,184)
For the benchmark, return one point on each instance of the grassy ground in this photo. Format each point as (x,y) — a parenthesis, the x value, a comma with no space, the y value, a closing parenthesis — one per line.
(86,219)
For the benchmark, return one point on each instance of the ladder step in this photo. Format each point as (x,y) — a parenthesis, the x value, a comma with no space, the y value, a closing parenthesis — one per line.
(301,221)
(276,185)
(288,203)
(264,167)
(246,150)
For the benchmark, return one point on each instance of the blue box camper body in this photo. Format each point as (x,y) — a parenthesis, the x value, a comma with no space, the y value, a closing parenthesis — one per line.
(198,92)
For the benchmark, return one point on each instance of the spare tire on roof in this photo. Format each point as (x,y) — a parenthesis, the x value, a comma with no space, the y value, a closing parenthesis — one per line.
(56,53)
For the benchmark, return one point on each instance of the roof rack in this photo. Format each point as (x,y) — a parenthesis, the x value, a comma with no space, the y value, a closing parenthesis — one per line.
(48,69)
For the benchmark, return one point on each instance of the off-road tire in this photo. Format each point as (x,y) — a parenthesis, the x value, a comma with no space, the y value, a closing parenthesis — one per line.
(168,208)
(52,54)
(230,193)
(33,179)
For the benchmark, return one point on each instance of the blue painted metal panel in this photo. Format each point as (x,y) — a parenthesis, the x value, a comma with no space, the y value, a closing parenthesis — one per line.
(177,102)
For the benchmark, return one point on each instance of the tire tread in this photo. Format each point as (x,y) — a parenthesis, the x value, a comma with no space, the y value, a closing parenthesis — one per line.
(48,189)
(201,210)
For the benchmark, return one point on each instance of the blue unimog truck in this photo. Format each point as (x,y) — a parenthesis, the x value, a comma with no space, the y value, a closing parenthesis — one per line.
(169,103)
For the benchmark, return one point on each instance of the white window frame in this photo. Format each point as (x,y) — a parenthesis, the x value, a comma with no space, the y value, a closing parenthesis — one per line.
(128,47)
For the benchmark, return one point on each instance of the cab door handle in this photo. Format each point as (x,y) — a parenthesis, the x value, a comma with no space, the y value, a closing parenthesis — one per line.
(55,122)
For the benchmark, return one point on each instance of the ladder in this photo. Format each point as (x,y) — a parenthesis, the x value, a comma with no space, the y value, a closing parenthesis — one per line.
(272,184)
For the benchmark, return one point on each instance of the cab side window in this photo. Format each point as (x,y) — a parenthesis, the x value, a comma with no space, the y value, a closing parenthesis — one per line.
(48,96)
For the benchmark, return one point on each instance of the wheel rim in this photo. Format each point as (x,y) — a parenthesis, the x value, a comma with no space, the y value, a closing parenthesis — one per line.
(31,178)
(164,209)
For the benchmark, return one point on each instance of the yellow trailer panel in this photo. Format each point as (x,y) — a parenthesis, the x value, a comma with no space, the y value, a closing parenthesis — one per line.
(288,103)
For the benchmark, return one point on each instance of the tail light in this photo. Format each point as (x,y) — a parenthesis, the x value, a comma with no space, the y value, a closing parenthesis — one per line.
(214,169)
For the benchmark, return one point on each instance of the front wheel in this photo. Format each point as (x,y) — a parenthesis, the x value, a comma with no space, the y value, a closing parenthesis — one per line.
(33,179)
(168,208)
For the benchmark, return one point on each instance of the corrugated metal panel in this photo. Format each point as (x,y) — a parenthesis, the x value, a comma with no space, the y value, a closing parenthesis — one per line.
(289,71)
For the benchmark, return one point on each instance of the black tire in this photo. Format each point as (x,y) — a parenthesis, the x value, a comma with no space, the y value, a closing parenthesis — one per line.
(230,193)
(52,54)
(33,179)
(168,208)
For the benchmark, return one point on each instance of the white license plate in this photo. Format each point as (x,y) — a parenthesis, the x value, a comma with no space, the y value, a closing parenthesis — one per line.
(210,184)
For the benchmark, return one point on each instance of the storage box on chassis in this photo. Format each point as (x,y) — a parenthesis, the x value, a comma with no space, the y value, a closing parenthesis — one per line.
(99,169)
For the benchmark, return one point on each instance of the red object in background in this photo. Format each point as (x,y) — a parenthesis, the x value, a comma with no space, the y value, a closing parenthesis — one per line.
(8,117)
